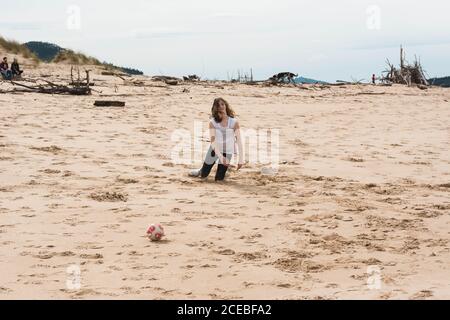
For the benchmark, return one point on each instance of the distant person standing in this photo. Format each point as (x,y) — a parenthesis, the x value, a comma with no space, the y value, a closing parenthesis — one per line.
(374,78)
(4,69)
(15,68)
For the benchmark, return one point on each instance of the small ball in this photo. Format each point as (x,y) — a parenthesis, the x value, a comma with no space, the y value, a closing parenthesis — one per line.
(155,232)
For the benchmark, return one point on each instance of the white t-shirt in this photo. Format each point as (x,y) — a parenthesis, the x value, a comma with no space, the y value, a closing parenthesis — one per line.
(225,137)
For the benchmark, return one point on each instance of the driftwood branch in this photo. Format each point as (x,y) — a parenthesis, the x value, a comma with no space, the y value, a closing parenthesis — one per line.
(52,88)
(407,73)
(78,87)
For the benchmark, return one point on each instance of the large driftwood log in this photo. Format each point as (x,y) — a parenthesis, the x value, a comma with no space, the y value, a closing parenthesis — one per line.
(192,78)
(104,103)
(171,82)
(165,78)
(55,89)
(48,87)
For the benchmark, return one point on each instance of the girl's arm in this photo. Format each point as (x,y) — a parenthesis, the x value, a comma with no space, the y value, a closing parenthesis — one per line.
(237,132)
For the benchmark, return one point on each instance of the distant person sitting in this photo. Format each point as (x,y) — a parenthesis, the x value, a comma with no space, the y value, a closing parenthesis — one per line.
(4,69)
(15,69)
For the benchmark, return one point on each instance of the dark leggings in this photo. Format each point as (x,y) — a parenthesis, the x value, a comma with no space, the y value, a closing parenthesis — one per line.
(7,74)
(211,159)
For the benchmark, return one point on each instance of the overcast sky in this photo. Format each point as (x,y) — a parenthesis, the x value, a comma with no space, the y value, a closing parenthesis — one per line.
(321,39)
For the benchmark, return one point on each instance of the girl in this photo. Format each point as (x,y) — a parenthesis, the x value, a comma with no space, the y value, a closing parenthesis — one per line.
(224,132)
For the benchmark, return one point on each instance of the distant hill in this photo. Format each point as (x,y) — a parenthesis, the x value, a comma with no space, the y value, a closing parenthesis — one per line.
(308,80)
(130,71)
(43,50)
(443,82)
(50,52)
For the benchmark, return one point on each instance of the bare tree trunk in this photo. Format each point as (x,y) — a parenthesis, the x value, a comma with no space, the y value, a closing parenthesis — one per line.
(401,58)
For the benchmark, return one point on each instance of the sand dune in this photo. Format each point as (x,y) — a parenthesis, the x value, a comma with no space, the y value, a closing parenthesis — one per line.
(362,192)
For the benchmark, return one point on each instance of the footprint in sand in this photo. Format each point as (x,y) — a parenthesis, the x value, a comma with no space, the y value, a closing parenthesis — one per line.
(95,256)
(423,294)
(226,252)
(5,290)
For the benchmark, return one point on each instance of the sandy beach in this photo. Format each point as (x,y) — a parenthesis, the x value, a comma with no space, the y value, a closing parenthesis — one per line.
(359,209)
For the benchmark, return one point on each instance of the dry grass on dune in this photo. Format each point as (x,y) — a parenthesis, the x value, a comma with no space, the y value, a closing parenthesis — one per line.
(14,47)
(77,58)
(80,59)
(66,56)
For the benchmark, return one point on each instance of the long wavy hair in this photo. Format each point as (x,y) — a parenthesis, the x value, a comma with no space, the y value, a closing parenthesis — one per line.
(215,109)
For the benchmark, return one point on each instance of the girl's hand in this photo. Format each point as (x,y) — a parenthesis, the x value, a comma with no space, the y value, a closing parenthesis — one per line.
(225,162)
